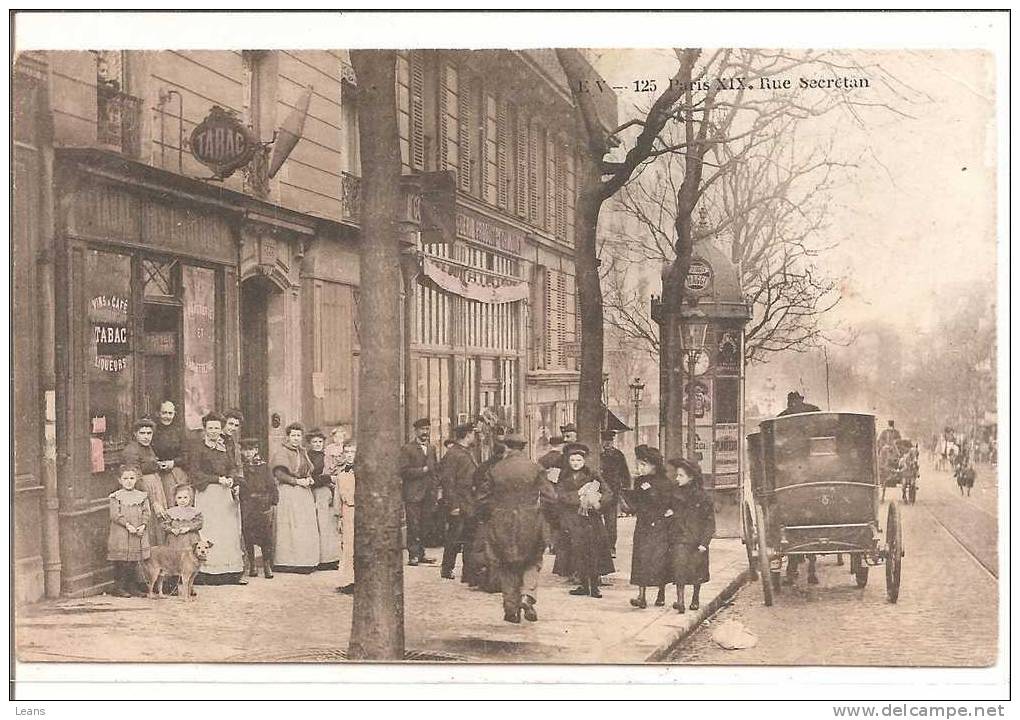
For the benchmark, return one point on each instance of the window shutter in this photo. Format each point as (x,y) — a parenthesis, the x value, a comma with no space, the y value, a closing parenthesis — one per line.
(417,112)
(502,142)
(521,153)
(570,191)
(464,137)
(533,167)
(550,181)
(560,229)
(444,143)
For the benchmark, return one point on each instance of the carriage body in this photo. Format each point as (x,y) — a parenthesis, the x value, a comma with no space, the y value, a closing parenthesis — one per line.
(814,479)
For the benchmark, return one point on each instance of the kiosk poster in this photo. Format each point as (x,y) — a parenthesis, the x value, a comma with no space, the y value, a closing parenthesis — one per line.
(199,344)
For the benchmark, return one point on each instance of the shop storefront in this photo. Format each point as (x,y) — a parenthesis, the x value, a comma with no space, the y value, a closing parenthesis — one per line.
(147,294)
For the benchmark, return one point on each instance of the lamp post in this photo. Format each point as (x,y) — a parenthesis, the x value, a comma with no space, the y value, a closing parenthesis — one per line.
(693,335)
(637,388)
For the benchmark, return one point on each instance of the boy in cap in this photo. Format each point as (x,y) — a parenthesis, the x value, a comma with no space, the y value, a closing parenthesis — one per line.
(613,466)
(418,463)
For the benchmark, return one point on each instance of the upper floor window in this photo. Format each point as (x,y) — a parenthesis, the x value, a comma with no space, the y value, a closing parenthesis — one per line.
(410,88)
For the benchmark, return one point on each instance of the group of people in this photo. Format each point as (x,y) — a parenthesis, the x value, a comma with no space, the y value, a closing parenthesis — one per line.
(297,507)
(504,513)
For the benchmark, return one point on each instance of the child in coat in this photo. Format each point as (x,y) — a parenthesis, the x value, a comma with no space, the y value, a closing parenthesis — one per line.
(691,527)
(128,542)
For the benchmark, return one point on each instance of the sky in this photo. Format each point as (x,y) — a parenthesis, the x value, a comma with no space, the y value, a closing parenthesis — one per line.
(917,215)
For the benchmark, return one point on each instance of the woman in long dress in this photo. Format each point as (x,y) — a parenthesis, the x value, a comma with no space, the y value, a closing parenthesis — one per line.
(297,533)
(140,454)
(215,477)
(343,476)
(580,493)
(326,510)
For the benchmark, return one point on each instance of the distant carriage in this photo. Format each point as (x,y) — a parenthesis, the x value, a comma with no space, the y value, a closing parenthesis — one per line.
(815,491)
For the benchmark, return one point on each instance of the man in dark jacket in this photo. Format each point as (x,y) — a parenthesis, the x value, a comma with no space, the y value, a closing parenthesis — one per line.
(479,570)
(513,486)
(614,470)
(418,464)
(456,473)
(795,404)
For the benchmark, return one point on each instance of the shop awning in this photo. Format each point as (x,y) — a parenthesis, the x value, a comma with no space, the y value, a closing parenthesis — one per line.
(509,291)
(611,422)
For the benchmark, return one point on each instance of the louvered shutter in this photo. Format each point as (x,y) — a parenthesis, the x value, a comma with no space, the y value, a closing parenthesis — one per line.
(444,130)
(550,181)
(417,112)
(533,177)
(560,228)
(521,156)
(502,143)
(466,124)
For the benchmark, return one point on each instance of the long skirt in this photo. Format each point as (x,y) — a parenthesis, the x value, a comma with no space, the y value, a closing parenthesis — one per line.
(650,559)
(221,524)
(326,520)
(588,551)
(152,487)
(171,480)
(346,545)
(297,532)
(689,565)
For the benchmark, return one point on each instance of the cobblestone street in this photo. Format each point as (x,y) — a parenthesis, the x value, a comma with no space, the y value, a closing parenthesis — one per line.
(947,612)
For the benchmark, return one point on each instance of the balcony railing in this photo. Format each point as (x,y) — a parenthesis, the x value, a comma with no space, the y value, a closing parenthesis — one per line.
(350,197)
(118,120)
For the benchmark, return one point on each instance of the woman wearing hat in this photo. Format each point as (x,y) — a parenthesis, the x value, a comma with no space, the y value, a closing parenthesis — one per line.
(326,510)
(580,493)
(297,535)
(649,564)
(138,453)
(690,530)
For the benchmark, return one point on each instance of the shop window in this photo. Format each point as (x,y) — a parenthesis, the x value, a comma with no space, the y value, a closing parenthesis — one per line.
(199,293)
(159,278)
(106,278)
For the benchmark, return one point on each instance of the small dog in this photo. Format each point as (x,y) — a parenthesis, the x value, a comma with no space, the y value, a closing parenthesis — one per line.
(164,561)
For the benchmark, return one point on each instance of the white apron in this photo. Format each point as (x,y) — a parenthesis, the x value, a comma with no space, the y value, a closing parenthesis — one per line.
(221,523)
(297,532)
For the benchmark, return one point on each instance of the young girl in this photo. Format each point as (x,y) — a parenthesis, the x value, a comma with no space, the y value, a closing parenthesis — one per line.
(650,500)
(128,542)
(580,493)
(691,528)
(182,522)
(343,476)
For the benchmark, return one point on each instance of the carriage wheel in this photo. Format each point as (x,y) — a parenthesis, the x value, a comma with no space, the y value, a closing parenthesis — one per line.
(894,553)
(749,541)
(763,555)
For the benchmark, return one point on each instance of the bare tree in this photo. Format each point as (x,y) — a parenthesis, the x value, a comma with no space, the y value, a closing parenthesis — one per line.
(377,629)
(732,104)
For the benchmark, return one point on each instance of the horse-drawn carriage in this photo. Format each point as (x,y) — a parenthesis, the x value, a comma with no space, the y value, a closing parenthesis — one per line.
(815,491)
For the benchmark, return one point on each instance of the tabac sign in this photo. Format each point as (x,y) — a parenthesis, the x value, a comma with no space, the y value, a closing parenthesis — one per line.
(222,143)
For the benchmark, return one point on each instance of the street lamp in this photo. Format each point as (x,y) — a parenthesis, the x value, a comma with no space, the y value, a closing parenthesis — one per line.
(693,339)
(637,388)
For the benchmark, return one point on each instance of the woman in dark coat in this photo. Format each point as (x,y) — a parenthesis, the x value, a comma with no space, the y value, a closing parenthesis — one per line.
(649,565)
(327,510)
(691,528)
(580,493)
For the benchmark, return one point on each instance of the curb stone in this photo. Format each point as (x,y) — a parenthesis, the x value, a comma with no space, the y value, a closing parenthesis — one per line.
(662,652)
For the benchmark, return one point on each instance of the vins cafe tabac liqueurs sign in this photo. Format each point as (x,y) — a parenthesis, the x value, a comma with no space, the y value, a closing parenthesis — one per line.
(108,315)
(222,143)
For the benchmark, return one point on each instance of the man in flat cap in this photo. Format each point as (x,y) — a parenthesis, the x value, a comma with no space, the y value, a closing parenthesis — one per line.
(418,464)
(613,466)
(456,473)
(509,498)
(569,433)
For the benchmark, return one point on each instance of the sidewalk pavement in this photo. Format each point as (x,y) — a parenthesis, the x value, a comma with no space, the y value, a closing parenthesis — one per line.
(299,618)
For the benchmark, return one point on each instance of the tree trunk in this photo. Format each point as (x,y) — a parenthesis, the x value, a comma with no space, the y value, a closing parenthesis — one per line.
(377,628)
(589,296)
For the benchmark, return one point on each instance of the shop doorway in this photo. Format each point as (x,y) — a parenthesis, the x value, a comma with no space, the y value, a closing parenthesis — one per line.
(161,371)
(254,386)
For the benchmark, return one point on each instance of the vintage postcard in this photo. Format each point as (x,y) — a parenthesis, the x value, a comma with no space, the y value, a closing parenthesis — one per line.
(643,353)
